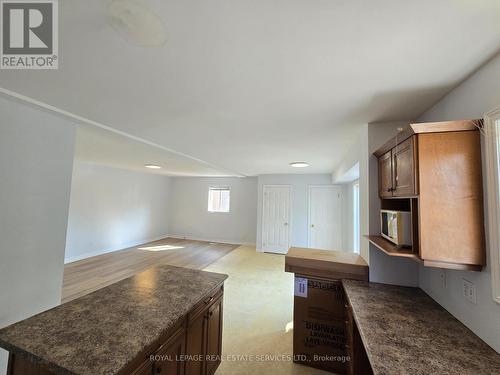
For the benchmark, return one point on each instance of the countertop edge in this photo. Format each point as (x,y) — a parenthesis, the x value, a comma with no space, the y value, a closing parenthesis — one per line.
(32,358)
(360,330)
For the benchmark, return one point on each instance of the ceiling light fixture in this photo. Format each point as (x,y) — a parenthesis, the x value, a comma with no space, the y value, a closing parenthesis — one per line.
(137,23)
(299,164)
(152,166)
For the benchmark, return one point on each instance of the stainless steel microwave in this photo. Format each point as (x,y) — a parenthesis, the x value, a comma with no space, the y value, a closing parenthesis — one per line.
(396,227)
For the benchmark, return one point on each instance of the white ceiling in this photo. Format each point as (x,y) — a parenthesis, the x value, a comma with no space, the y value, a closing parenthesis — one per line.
(100,146)
(252,85)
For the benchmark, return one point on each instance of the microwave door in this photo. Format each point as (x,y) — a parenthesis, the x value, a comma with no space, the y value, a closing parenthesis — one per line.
(389,228)
(385,224)
(393,227)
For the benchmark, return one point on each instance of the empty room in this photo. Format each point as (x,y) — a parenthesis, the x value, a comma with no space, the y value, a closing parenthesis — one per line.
(249,187)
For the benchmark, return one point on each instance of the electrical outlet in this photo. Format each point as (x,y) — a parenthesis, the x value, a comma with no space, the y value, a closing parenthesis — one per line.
(469,291)
(442,276)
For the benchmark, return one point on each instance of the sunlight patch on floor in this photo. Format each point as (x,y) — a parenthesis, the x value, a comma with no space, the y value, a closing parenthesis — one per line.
(160,248)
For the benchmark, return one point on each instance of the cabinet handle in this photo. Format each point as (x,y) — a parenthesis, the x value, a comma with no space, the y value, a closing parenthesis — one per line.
(389,190)
(209,300)
(211,313)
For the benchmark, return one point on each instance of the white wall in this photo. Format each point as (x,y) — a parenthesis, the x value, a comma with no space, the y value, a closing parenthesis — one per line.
(357,154)
(189,216)
(36,159)
(347,217)
(300,200)
(474,97)
(382,267)
(113,209)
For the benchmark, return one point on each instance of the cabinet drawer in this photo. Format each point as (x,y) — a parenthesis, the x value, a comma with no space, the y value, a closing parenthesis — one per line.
(201,306)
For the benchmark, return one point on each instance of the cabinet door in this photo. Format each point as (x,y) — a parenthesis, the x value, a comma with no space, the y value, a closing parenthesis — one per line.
(171,353)
(385,179)
(403,165)
(214,336)
(196,344)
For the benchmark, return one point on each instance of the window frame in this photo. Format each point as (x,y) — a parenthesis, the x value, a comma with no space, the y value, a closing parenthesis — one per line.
(356,217)
(210,189)
(492,158)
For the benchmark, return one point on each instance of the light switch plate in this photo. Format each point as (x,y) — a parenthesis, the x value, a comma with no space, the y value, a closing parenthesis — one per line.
(469,291)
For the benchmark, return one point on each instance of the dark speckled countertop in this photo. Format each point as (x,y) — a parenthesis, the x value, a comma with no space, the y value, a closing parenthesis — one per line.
(404,331)
(101,332)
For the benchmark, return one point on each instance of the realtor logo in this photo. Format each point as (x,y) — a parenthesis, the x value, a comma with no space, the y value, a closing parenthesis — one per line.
(29,34)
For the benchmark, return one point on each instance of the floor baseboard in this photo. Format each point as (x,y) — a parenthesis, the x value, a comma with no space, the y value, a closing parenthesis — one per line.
(218,240)
(112,249)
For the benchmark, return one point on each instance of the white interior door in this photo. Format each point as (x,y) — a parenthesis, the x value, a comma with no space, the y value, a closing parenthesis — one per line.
(325,226)
(276,218)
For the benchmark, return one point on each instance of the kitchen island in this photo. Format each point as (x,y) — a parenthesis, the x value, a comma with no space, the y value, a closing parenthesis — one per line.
(166,319)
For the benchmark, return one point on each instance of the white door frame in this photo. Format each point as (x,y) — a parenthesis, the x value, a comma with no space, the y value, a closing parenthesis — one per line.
(290,187)
(309,190)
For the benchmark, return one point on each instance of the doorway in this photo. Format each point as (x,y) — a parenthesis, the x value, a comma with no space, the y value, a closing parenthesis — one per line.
(325,226)
(276,218)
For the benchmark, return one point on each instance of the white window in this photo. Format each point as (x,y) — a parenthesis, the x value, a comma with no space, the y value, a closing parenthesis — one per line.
(218,199)
(355,209)
(492,145)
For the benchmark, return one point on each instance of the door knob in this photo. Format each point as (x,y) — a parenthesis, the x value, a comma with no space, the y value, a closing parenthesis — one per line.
(312,225)
(285,223)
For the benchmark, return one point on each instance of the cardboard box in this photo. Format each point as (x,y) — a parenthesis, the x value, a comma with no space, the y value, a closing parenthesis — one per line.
(319,324)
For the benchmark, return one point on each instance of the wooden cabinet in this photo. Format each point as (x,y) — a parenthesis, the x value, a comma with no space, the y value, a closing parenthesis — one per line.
(451,201)
(397,170)
(195,345)
(385,175)
(404,168)
(170,355)
(204,336)
(436,168)
(214,336)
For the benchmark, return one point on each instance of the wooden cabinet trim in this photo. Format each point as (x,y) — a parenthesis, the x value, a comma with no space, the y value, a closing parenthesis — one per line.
(208,300)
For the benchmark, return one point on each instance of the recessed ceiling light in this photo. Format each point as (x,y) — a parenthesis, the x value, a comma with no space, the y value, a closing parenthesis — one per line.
(299,164)
(137,23)
(152,166)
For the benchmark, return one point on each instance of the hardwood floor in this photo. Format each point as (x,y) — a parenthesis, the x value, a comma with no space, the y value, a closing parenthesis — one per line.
(90,274)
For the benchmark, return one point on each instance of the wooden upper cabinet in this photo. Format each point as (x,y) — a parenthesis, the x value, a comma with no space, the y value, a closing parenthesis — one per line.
(451,198)
(404,168)
(437,166)
(398,171)
(385,175)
